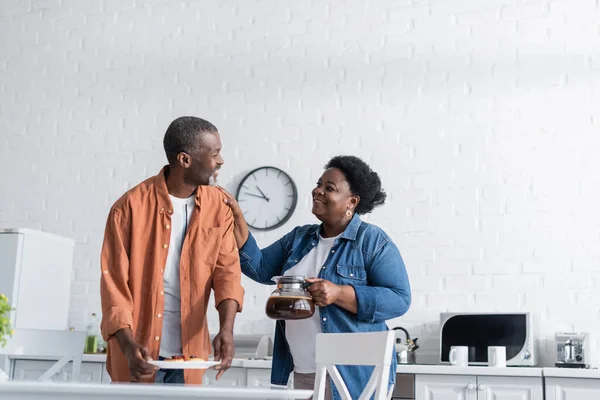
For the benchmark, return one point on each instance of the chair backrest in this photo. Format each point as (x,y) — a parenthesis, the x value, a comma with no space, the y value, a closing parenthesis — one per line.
(372,348)
(64,345)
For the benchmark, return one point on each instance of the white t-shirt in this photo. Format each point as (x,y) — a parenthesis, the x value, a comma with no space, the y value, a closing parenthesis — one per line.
(301,334)
(170,343)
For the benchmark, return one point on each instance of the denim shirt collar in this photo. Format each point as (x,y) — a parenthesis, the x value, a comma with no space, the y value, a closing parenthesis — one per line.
(349,233)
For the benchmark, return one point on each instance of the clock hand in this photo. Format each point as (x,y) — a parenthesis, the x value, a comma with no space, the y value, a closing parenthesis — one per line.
(261,192)
(255,195)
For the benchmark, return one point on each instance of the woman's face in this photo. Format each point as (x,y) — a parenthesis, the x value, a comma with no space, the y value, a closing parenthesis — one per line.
(332,197)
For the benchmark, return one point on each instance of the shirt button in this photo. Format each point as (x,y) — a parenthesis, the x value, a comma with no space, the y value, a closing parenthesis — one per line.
(333,251)
(312,244)
(324,319)
(159,315)
(162,270)
(167,226)
(156,338)
(351,275)
(161,292)
(106,271)
(165,245)
(162,209)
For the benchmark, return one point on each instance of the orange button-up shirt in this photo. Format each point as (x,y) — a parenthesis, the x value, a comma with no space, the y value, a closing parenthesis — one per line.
(134,255)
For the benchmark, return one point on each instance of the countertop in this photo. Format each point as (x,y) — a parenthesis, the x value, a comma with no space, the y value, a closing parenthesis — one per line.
(549,372)
(472,370)
(572,373)
(101,358)
(422,369)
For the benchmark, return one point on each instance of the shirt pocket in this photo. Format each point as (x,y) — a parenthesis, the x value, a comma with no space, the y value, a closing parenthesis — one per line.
(351,275)
(206,245)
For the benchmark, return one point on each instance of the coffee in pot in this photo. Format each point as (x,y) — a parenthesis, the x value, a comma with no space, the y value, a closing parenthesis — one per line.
(290,300)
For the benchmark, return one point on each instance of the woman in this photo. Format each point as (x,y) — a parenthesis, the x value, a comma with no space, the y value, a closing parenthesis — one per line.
(358,277)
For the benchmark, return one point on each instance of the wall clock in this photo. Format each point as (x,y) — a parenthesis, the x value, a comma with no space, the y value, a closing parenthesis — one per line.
(268,197)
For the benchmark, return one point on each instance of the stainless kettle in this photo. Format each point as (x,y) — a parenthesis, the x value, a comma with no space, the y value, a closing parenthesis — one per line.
(405,352)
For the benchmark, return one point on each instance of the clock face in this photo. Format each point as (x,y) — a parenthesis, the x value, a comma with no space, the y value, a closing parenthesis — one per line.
(268,197)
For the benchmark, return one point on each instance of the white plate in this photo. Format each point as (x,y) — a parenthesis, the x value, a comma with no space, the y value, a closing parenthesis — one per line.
(184,364)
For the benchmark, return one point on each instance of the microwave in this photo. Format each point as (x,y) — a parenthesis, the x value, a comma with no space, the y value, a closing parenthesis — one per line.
(478,331)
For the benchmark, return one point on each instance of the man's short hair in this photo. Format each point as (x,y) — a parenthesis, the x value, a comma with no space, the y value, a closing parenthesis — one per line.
(185,134)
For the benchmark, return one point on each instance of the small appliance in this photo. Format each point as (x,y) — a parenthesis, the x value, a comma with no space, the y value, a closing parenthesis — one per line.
(479,331)
(572,349)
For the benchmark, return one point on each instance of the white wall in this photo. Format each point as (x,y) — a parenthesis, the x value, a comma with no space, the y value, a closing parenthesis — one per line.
(481,117)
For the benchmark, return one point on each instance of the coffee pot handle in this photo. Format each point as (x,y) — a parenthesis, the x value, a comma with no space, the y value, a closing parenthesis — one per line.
(306,285)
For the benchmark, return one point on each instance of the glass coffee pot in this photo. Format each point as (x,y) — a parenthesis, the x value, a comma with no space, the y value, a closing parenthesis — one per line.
(290,300)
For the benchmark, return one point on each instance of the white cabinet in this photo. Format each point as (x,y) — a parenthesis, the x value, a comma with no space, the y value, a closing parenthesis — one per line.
(32,370)
(259,378)
(572,389)
(233,377)
(239,377)
(509,388)
(467,387)
(35,275)
(95,372)
(105,376)
(445,387)
(91,372)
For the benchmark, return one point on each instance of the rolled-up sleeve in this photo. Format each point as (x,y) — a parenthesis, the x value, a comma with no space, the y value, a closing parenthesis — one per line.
(116,299)
(388,294)
(227,277)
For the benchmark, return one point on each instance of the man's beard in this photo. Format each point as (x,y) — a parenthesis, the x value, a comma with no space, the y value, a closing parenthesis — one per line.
(212,181)
(193,179)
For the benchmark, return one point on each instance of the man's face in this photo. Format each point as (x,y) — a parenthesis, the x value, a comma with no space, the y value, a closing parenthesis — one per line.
(206,162)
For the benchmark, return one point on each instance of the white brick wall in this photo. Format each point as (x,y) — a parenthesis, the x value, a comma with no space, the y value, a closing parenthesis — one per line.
(481,117)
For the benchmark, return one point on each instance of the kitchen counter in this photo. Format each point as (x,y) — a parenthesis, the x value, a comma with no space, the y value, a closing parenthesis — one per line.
(101,358)
(549,372)
(572,373)
(417,369)
(421,369)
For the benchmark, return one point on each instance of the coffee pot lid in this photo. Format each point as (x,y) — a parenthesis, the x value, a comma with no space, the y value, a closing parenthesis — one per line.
(289,279)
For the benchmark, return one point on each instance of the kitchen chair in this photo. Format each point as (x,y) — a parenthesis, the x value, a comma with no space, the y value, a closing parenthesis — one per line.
(343,349)
(67,345)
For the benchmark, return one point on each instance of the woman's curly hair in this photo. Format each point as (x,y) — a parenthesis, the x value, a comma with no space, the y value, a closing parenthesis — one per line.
(363,181)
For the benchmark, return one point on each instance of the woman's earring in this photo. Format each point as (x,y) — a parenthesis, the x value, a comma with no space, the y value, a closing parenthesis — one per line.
(348,214)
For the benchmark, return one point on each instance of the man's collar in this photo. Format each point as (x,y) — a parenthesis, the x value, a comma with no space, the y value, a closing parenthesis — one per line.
(162,191)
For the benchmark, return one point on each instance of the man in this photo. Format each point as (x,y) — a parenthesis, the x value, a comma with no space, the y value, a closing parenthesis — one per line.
(168,241)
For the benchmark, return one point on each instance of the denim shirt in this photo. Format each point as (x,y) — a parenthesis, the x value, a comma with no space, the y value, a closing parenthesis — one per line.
(363,257)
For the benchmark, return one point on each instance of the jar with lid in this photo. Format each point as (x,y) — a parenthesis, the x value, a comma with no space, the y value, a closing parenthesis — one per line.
(290,300)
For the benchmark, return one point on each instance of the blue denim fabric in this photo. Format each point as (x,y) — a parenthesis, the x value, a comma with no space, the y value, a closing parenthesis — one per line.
(363,257)
(169,376)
